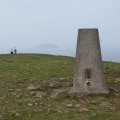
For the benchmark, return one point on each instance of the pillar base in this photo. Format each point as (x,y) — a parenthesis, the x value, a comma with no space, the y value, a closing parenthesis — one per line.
(76,91)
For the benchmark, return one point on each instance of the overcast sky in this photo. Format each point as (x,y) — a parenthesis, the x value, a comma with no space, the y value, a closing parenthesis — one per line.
(51,26)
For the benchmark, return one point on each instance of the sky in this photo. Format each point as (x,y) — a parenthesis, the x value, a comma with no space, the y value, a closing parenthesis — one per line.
(51,26)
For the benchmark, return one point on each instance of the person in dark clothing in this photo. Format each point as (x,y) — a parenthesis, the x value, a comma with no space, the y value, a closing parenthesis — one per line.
(15,51)
(11,51)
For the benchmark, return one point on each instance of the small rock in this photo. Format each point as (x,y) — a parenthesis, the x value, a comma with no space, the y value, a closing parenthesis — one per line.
(53,84)
(78,106)
(32,87)
(40,94)
(113,108)
(11,90)
(117,80)
(83,110)
(57,92)
(36,103)
(61,78)
(69,105)
(59,111)
(106,104)
(17,115)
(30,104)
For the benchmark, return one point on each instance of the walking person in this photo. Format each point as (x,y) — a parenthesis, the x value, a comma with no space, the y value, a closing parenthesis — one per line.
(15,51)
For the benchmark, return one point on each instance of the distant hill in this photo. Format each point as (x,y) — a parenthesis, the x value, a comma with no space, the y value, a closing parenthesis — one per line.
(29,86)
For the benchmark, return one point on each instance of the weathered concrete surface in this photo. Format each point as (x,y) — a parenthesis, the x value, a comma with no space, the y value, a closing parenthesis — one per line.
(88,68)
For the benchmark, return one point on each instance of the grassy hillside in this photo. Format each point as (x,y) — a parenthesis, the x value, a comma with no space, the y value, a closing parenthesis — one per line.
(27,82)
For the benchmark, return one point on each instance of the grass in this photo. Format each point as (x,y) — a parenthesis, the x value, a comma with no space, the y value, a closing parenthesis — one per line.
(17,102)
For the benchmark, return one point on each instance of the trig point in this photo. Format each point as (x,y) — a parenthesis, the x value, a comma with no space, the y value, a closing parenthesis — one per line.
(88,68)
